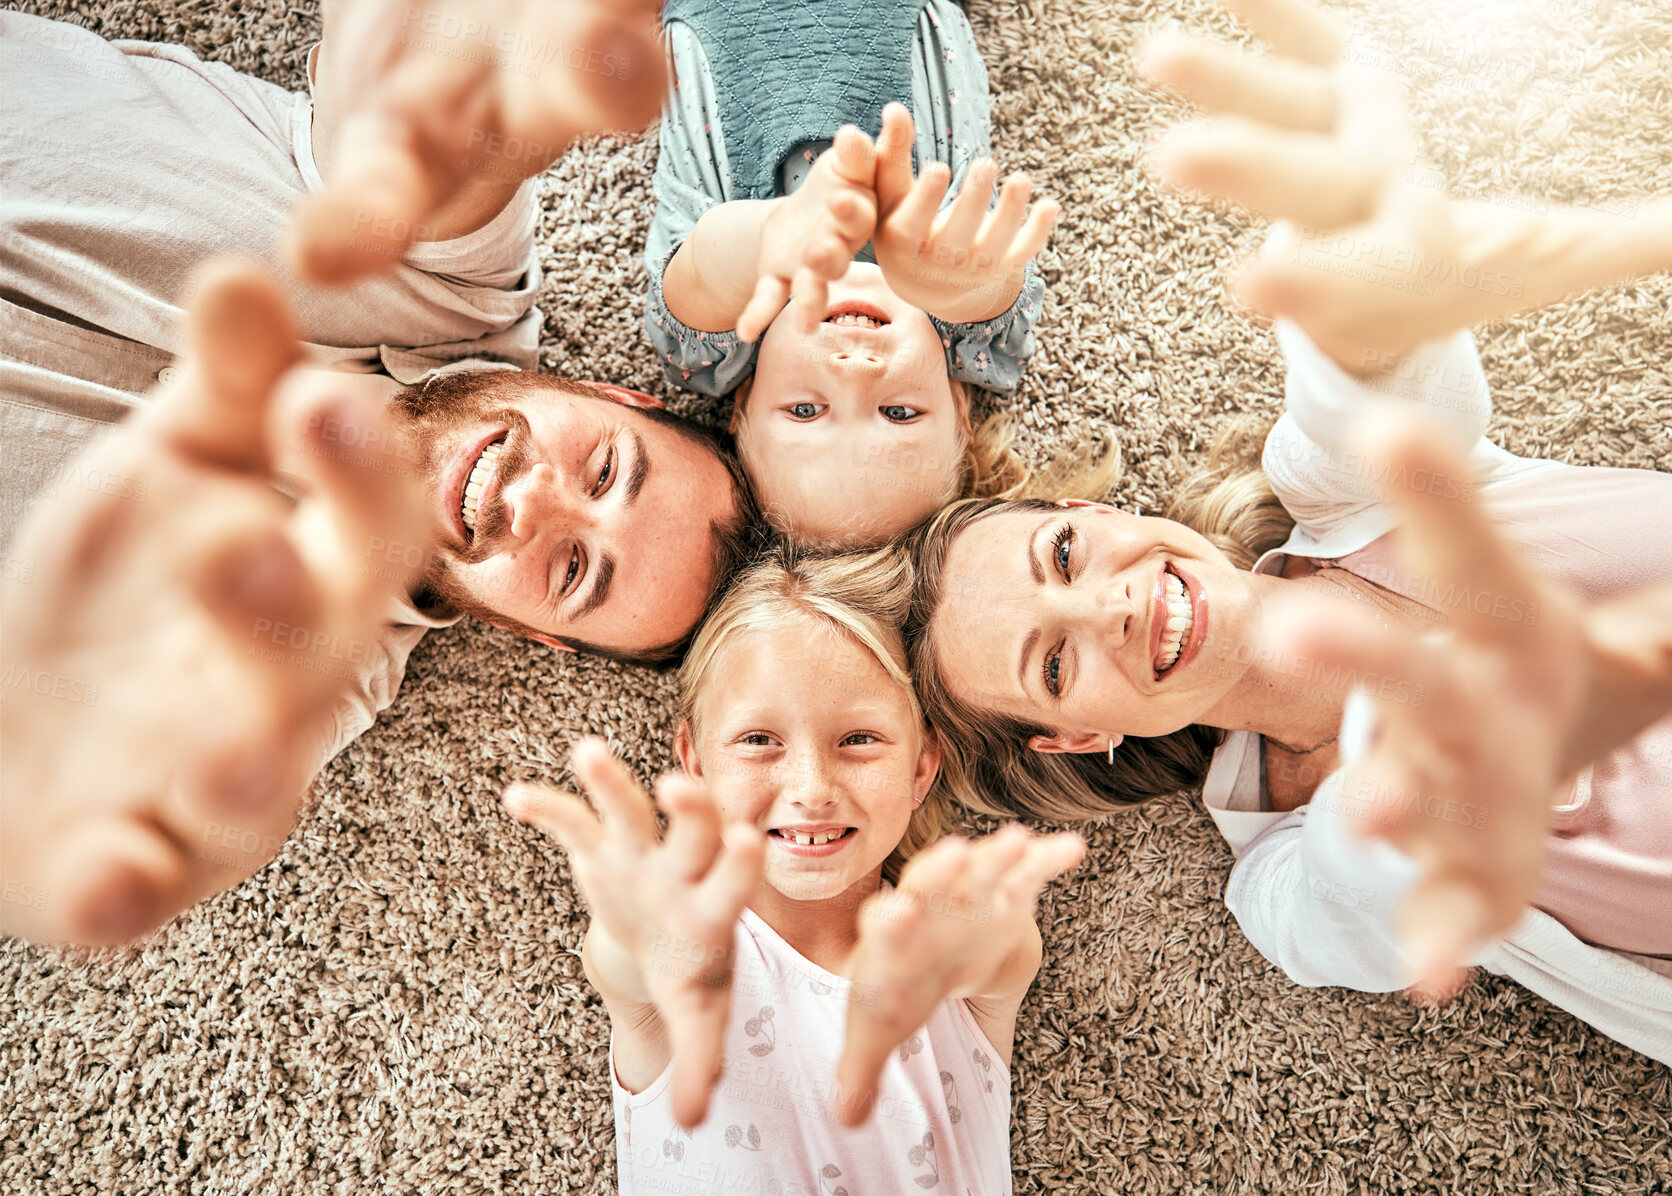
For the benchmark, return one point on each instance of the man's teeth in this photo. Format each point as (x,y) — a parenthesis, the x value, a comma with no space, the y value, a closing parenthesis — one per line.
(853,319)
(1179,619)
(473,485)
(813,840)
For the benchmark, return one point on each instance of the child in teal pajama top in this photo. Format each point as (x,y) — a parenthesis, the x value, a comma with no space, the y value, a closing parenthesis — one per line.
(851,407)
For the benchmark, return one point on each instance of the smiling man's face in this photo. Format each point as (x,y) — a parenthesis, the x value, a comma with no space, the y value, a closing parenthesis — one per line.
(577,514)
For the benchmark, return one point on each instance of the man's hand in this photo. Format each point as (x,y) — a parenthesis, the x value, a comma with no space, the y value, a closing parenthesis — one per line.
(181,627)
(965,264)
(1484,725)
(668,908)
(809,238)
(1377,260)
(961,911)
(429,113)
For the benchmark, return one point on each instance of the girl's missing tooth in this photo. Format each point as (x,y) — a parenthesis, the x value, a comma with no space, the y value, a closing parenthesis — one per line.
(804,951)
(852,413)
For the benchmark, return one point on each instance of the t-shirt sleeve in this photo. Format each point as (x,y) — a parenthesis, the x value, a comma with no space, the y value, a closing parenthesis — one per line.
(1313,456)
(709,363)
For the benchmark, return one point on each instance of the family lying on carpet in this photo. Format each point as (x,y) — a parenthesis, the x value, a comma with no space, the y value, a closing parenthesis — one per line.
(1423,683)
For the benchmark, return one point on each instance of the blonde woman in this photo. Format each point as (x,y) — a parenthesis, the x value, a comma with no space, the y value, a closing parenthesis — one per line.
(1074,659)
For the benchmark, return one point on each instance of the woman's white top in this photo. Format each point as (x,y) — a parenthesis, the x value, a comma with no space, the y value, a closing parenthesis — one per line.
(1311,894)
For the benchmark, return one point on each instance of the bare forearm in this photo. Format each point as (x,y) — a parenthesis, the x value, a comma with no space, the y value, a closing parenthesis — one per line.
(1630,645)
(713,274)
(1537,260)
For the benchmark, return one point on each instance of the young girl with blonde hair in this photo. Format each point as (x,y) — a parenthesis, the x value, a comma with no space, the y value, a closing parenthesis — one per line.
(804,948)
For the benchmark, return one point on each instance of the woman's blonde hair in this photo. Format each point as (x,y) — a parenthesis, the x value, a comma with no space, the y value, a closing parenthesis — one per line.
(859,595)
(985,758)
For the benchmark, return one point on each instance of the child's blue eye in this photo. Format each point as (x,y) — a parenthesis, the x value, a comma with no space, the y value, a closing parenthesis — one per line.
(900,413)
(804,410)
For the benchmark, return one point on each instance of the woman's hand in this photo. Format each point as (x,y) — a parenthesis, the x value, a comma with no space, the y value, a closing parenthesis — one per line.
(809,238)
(1377,260)
(963,911)
(1469,756)
(664,910)
(176,627)
(965,264)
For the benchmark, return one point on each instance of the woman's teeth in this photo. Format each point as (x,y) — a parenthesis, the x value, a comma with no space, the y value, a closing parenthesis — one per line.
(1179,620)
(853,319)
(479,474)
(811,840)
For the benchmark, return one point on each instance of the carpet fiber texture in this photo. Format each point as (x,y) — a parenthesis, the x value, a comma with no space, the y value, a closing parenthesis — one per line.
(396,1003)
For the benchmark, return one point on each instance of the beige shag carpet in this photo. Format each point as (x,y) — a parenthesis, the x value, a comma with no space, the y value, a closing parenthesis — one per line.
(396,1003)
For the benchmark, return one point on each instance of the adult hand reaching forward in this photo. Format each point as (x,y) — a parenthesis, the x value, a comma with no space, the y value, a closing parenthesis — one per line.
(177,628)
(1501,685)
(429,113)
(1375,260)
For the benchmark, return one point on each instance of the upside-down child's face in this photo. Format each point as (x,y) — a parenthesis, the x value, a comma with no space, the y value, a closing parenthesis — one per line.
(801,733)
(853,433)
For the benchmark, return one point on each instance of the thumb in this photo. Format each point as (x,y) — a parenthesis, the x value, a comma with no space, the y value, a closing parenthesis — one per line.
(1441,922)
(364,220)
(854,156)
(243,340)
(771,293)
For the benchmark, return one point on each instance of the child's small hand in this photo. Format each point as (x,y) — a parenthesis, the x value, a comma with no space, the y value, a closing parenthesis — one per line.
(671,905)
(961,912)
(811,236)
(964,264)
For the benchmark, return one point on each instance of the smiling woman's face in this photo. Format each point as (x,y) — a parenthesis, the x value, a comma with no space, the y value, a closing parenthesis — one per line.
(1092,622)
(853,433)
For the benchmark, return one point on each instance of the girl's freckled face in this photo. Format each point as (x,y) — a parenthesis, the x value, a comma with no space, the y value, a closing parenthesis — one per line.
(802,730)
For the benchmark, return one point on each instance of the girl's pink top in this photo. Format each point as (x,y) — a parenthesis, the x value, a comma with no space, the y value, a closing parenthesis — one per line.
(1605,532)
(940,1123)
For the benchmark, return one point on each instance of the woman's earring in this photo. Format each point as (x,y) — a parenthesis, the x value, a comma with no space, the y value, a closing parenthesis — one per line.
(1111,751)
